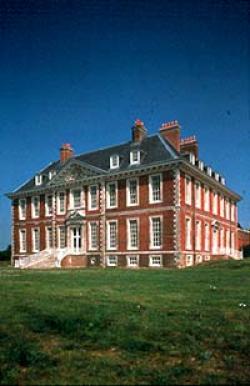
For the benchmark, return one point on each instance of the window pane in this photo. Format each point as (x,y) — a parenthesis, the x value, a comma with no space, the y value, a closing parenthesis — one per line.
(93,197)
(133,191)
(156,188)
(133,233)
(77,198)
(61,202)
(112,195)
(112,234)
(156,231)
(93,235)
(62,235)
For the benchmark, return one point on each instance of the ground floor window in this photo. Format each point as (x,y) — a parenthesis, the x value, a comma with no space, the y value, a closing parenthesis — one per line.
(112,261)
(133,261)
(189,260)
(207,258)
(36,239)
(155,260)
(198,259)
(62,237)
(22,240)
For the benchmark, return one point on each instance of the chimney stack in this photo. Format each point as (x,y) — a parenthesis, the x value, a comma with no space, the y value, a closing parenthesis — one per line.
(139,131)
(190,145)
(171,132)
(66,152)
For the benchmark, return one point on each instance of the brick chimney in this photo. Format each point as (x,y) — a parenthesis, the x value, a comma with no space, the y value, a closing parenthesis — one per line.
(171,132)
(190,145)
(66,152)
(139,131)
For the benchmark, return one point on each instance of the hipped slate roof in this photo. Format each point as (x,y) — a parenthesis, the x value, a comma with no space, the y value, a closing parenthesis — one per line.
(154,149)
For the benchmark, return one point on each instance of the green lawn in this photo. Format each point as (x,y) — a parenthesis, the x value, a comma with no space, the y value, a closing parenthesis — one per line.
(118,326)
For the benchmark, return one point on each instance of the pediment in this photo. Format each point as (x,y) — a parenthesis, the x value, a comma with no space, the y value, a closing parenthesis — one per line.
(74,171)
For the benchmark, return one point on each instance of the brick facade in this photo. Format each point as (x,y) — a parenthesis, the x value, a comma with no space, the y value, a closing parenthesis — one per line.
(163,221)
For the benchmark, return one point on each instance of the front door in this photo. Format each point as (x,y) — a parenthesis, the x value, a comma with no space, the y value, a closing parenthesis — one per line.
(76,239)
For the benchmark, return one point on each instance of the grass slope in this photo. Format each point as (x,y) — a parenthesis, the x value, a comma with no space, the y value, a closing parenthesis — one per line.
(118,326)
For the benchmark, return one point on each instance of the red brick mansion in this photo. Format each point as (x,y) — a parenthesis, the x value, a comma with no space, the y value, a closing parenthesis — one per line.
(149,202)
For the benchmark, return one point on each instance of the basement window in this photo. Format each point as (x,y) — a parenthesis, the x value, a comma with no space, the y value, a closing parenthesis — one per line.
(112,261)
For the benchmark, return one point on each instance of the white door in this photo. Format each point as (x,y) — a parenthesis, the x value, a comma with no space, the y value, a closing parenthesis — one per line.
(76,239)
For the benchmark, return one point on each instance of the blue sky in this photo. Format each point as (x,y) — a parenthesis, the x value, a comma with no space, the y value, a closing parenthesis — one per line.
(82,72)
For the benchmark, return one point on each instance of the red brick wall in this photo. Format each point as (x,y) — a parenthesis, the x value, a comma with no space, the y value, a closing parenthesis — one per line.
(204,216)
(243,238)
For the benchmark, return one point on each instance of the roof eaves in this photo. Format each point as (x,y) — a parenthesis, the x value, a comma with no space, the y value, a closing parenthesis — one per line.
(211,180)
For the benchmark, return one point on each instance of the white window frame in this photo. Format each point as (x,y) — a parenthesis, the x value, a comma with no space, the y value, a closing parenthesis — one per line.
(47,214)
(151,261)
(207,236)
(90,207)
(189,260)
(108,195)
(129,261)
(151,235)
(206,198)
(59,236)
(72,201)
(110,248)
(206,257)
(22,242)
(198,194)
(227,240)
(232,211)
(52,173)
(198,259)
(232,240)
(215,202)
(38,179)
(222,206)
(222,240)
(151,201)
(138,160)
(188,190)
(128,194)
(129,246)
(22,216)
(114,165)
(227,206)
(33,211)
(91,247)
(188,233)
(34,249)
(198,235)
(47,237)
(58,202)
(109,264)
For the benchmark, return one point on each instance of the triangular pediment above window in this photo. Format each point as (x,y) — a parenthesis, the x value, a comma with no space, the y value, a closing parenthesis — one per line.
(74,171)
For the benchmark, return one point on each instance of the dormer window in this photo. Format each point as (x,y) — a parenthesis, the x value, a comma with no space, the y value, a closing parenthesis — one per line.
(192,158)
(114,161)
(209,171)
(39,179)
(135,157)
(216,176)
(201,165)
(52,173)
